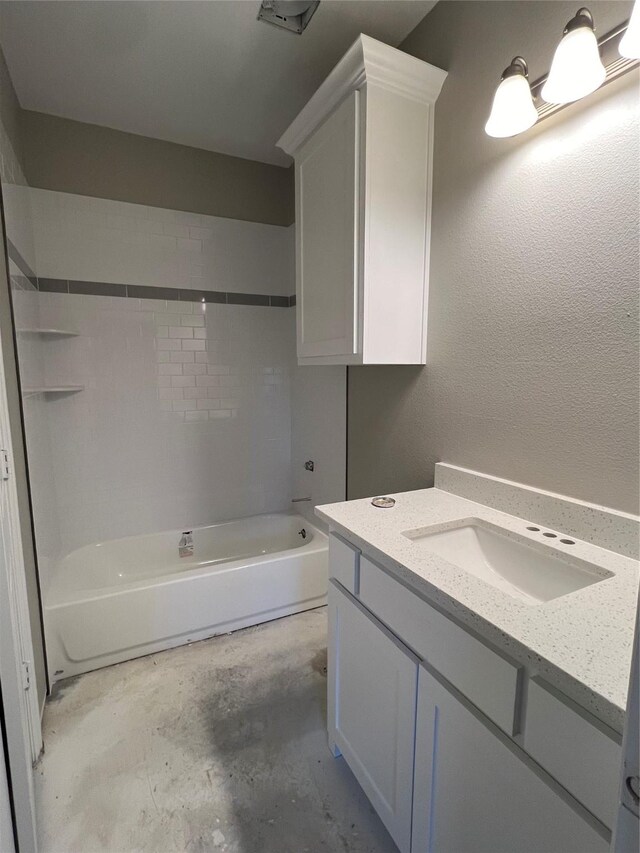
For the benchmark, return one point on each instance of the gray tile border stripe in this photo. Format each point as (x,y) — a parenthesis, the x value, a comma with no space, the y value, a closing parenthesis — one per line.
(140,291)
(20,262)
(202,296)
(247,299)
(53,285)
(97,288)
(21,282)
(279,301)
(177,294)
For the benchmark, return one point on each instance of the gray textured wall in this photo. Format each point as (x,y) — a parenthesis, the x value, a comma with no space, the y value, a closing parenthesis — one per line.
(532,370)
(74,157)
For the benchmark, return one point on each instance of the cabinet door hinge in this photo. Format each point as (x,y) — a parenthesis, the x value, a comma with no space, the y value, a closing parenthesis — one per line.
(26,675)
(4,464)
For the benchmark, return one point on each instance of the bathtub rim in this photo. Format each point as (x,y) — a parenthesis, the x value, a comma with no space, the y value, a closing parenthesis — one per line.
(319,542)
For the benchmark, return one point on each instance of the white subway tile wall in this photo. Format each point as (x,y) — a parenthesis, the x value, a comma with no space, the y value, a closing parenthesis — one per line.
(152,444)
(95,239)
(10,169)
(18,213)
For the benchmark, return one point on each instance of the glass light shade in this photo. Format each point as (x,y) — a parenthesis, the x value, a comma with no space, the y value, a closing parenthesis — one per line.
(576,70)
(513,111)
(630,42)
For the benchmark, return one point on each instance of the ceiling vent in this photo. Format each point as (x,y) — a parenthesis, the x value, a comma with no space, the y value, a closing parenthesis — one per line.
(292,15)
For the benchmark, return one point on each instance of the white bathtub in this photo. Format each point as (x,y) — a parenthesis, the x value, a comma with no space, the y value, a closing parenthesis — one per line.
(129,597)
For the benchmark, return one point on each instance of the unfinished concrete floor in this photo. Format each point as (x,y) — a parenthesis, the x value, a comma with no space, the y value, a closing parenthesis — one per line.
(217,746)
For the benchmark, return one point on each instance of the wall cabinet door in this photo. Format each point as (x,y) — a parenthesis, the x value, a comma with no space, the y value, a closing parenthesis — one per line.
(327,169)
(474,795)
(372,695)
(363,147)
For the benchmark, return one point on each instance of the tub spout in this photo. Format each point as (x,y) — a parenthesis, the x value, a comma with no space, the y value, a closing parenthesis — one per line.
(185,545)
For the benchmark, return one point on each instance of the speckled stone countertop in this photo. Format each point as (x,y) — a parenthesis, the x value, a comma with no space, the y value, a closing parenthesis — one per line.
(580,643)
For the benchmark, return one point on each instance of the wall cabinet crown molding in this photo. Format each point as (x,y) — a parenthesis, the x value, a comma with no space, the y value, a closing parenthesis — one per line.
(366,61)
(363,150)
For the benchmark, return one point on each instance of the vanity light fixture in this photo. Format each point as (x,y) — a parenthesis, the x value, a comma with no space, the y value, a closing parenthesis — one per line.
(580,66)
(630,43)
(577,69)
(513,111)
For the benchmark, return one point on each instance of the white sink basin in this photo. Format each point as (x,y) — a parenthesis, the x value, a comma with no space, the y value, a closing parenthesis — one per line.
(528,571)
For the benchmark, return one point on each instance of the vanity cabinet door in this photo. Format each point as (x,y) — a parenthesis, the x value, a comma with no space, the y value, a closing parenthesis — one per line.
(372,700)
(473,794)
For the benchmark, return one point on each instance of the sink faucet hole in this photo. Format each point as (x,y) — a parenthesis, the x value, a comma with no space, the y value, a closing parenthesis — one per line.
(551,535)
(567,542)
(534,529)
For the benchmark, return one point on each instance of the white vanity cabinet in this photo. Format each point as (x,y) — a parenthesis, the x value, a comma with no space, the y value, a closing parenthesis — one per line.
(460,748)
(474,794)
(372,710)
(363,149)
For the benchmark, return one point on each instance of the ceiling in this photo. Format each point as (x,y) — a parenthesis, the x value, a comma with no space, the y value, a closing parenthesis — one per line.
(206,74)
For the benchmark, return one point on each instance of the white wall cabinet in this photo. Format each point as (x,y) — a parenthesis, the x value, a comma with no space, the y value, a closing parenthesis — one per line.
(372,713)
(474,795)
(448,768)
(363,150)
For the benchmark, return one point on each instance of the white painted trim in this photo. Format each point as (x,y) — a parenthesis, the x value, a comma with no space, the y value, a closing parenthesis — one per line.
(16,712)
(12,539)
(22,715)
(367,61)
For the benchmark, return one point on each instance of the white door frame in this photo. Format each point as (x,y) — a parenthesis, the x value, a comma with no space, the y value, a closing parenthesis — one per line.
(19,695)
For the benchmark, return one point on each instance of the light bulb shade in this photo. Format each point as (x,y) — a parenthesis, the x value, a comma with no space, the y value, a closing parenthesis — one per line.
(513,111)
(576,70)
(630,42)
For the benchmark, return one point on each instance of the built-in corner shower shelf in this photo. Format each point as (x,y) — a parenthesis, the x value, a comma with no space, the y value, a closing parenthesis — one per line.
(52,389)
(50,333)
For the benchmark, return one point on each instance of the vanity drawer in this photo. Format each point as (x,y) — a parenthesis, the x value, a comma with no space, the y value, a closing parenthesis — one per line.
(582,755)
(344,563)
(489,680)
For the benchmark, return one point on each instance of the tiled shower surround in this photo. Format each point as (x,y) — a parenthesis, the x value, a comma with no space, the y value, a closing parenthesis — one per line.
(184,419)
(185,416)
